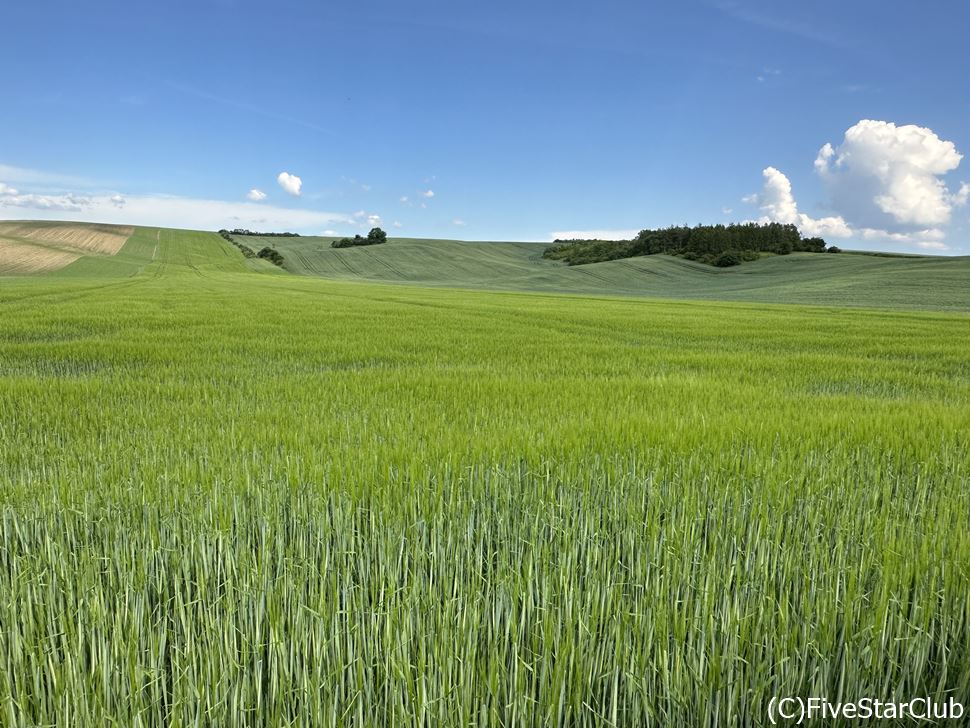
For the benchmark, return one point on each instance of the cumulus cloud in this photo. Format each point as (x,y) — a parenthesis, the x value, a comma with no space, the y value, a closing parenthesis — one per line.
(428,193)
(374,220)
(962,195)
(884,181)
(599,234)
(882,175)
(255,195)
(778,204)
(290,183)
(117,200)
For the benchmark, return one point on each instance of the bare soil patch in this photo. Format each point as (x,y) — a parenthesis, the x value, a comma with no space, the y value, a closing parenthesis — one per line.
(31,247)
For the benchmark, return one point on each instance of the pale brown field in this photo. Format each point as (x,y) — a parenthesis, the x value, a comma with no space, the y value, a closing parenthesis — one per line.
(20,258)
(39,247)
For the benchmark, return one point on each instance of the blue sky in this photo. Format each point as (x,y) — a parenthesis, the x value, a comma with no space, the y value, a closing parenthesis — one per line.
(525,120)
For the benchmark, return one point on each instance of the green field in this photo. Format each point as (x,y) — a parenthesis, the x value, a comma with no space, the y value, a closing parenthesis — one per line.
(233,496)
(915,282)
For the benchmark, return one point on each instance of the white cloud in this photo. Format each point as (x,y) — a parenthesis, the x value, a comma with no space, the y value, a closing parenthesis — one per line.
(165,211)
(458,222)
(428,193)
(118,200)
(290,183)
(883,175)
(397,224)
(329,233)
(961,197)
(727,210)
(778,204)
(255,195)
(885,181)
(8,190)
(374,220)
(56,203)
(873,234)
(360,214)
(600,234)
(404,200)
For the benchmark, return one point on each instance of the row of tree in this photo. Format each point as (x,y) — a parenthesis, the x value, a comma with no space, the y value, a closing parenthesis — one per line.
(375,237)
(706,243)
(244,231)
(244,249)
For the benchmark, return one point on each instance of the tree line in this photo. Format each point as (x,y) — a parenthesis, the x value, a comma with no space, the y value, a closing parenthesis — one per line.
(244,231)
(721,245)
(266,253)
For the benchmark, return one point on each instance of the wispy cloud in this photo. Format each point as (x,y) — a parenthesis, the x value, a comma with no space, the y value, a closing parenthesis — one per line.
(255,195)
(245,106)
(789,26)
(47,180)
(160,211)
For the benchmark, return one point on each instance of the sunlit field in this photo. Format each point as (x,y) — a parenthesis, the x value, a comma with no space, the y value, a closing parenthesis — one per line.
(233,496)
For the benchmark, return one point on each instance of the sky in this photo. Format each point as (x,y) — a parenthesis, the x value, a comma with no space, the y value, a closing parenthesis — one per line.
(493,121)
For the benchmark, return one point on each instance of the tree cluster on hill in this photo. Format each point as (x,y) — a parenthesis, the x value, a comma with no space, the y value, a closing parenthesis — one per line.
(272,255)
(244,231)
(720,245)
(375,237)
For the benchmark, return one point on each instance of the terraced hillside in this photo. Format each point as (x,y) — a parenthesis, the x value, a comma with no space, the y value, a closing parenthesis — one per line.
(928,282)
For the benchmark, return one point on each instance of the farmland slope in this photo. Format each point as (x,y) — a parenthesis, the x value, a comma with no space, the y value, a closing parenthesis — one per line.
(928,282)
(240,498)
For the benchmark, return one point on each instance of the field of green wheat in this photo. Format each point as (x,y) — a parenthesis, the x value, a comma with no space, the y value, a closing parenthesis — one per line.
(231,496)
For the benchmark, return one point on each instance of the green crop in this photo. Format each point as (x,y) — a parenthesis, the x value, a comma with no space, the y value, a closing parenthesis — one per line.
(235,498)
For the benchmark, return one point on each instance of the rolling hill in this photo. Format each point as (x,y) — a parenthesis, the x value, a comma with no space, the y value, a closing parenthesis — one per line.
(921,282)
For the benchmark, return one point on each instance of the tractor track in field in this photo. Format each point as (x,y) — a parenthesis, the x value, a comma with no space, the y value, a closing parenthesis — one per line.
(638,269)
(386,264)
(594,276)
(64,297)
(348,266)
(307,263)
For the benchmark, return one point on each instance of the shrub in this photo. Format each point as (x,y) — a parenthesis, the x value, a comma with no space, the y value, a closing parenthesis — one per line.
(727,259)
(272,255)
(833,249)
